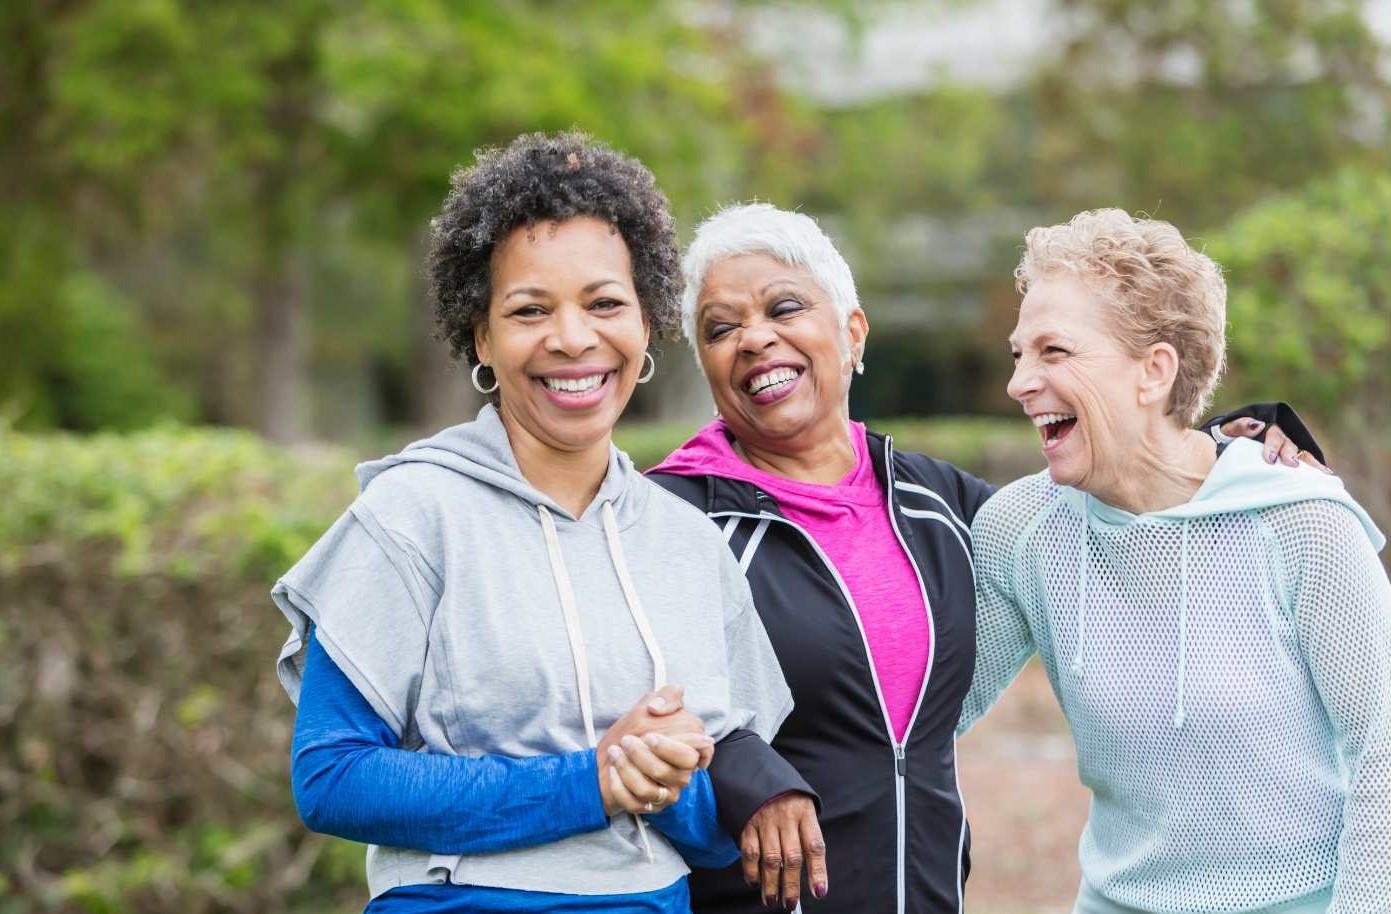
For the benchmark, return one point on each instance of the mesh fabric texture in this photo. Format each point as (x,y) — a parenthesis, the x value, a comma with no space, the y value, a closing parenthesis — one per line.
(1227,680)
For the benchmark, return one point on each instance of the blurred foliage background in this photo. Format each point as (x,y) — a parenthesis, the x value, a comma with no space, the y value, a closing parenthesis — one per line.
(212,219)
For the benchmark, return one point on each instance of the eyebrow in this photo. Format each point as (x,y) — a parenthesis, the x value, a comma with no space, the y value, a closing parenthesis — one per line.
(536,292)
(1047,335)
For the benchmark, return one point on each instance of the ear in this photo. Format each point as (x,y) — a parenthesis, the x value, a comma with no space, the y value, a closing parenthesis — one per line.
(480,342)
(1158,369)
(857,325)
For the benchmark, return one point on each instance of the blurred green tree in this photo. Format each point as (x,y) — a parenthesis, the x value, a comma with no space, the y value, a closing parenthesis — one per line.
(1310,315)
(201,158)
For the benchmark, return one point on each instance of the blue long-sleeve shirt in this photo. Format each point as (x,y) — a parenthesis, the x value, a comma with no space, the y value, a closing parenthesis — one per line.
(352,779)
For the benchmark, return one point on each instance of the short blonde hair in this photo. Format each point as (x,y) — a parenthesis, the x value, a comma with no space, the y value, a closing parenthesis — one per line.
(1159,289)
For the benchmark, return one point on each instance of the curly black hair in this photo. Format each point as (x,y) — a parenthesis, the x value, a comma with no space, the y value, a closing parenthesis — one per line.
(542,177)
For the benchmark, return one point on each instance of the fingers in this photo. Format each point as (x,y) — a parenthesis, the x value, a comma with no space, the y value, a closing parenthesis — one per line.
(668,700)
(679,753)
(770,860)
(1278,447)
(647,795)
(702,743)
(814,851)
(643,755)
(791,841)
(1242,428)
(1310,460)
(750,852)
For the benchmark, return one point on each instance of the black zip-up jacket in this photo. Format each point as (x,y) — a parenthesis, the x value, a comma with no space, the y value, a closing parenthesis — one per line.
(891,814)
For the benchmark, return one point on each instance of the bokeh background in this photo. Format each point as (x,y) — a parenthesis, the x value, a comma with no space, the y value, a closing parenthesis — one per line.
(212,221)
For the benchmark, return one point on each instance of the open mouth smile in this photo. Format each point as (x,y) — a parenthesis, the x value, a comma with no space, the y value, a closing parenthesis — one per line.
(578,392)
(1054,427)
(772,384)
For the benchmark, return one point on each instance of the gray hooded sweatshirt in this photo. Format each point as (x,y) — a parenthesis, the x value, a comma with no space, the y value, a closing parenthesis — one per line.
(478,617)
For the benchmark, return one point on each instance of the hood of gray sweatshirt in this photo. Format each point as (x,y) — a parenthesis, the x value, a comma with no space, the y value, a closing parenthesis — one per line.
(478,617)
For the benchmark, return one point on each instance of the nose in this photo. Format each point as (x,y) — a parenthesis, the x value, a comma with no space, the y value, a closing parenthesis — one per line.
(757,337)
(1026,380)
(572,333)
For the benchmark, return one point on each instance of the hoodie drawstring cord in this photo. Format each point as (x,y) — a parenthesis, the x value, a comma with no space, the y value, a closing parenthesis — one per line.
(576,634)
(1082,588)
(1179,711)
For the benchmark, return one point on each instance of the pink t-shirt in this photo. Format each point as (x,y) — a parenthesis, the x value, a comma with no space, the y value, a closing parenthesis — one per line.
(850,522)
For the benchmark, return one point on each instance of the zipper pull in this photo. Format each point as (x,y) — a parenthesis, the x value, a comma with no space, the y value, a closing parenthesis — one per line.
(901,761)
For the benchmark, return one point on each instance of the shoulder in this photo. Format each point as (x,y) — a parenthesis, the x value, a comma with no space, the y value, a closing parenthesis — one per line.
(678,514)
(1005,518)
(690,489)
(959,489)
(1315,530)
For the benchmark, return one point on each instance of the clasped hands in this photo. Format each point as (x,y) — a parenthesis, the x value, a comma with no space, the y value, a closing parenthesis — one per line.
(650,753)
(649,756)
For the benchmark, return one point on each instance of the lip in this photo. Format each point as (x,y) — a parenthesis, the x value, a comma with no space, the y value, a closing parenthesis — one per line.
(765,397)
(576,402)
(1051,447)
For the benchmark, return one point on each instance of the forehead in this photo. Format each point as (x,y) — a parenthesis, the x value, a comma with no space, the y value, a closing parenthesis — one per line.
(580,247)
(743,276)
(1060,303)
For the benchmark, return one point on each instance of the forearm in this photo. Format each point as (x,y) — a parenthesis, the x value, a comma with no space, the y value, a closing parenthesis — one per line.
(746,773)
(445,804)
(352,780)
(692,826)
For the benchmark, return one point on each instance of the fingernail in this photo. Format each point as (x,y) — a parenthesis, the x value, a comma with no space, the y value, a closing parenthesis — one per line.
(819,890)
(652,740)
(615,754)
(658,704)
(1254,425)
(1269,456)
(790,904)
(768,901)
(629,741)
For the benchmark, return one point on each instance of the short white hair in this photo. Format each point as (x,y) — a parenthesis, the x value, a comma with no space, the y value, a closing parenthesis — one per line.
(760,228)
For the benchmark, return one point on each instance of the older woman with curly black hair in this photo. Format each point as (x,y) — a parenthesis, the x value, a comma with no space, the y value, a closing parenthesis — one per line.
(488,648)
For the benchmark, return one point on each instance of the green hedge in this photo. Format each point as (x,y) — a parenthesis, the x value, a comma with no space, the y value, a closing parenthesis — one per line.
(143,735)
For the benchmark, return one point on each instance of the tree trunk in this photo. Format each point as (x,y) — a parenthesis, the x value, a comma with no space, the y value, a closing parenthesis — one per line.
(282,342)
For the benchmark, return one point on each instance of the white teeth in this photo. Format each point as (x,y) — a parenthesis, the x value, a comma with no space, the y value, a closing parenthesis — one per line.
(1049,418)
(574,385)
(771,378)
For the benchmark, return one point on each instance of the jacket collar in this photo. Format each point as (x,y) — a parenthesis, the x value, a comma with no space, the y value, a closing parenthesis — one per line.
(724,496)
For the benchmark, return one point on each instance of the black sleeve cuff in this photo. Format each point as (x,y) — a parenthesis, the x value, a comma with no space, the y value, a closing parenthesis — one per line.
(746,773)
(1275,413)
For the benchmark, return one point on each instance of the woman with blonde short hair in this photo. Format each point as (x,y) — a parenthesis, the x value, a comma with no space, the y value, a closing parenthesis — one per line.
(1216,627)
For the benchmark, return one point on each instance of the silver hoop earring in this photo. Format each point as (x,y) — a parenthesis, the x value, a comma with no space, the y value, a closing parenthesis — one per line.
(650,370)
(479,387)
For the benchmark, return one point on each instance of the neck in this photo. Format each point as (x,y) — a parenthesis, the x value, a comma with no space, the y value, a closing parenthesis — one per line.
(824,455)
(570,478)
(1163,468)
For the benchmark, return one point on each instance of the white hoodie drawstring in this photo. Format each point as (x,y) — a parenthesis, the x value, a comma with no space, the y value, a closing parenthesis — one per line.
(576,634)
(1179,711)
(1082,588)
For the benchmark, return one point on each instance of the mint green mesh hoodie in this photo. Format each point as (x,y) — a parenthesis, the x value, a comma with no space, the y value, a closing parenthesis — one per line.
(1225,668)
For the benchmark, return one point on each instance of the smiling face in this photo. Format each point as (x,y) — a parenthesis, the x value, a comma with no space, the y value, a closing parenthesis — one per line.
(775,353)
(565,334)
(1088,397)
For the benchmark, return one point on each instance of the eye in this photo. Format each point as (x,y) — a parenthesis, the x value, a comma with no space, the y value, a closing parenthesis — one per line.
(1015,354)
(1054,350)
(532,310)
(605,304)
(786,307)
(714,332)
